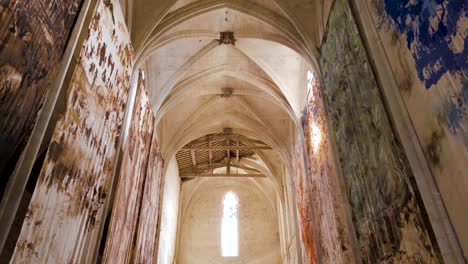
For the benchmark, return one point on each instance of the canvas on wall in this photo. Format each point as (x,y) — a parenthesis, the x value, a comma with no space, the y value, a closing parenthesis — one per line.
(74,180)
(389,218)
(304,207)
(136,153)
(33,37)
(151,207)
(327,203)
(425,44)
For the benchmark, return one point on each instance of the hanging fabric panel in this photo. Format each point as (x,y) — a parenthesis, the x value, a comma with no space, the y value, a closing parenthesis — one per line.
(124,219)
(66,206)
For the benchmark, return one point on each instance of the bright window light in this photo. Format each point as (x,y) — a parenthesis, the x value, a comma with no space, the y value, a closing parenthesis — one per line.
(229,230)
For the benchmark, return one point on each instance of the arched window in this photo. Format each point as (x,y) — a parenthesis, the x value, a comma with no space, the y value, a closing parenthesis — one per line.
(229,230)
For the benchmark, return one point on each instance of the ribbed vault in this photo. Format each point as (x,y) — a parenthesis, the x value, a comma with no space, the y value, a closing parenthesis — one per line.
(240,64)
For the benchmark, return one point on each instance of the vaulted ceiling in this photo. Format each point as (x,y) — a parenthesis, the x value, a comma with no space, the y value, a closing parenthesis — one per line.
(189,66)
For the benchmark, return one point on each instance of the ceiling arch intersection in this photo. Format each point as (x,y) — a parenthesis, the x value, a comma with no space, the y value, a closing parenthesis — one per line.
(283,25)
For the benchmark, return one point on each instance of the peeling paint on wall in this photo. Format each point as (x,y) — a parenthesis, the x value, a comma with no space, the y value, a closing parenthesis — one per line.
(327,203)
(33,36)
(66,206)
(387,213)
(126,209)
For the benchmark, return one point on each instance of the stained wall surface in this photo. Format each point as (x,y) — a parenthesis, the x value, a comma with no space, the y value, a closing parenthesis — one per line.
(74,180)
(169,214)
(200,226)
(33,36)
(388,215)
(425,45)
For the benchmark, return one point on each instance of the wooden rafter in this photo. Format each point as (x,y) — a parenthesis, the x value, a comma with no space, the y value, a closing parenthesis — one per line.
(225,147)
(224,150)
(256,175)
(219,137)
(210,155)
(222,164)
(237,153)
(194,161)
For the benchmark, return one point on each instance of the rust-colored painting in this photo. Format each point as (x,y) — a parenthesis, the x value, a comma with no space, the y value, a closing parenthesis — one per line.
(303,196)
(66,207)
(33,37)
(326,200)
(148,227)
(124,219)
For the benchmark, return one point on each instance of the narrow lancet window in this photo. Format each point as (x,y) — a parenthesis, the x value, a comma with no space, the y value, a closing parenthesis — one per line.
(229,226)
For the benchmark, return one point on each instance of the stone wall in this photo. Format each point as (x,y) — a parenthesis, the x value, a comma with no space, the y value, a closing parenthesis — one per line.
(200,225)
(389,218)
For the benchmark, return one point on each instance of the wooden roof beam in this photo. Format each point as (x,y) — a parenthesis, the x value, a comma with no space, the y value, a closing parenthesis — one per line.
(223,175)
(194,161)
(222,164)
(210,154)
(237,153)
(225,147)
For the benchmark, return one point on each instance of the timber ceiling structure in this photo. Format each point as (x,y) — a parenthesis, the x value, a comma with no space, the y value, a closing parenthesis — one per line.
(219,155)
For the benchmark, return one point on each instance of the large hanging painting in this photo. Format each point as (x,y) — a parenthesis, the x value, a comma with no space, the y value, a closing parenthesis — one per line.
(389,218)
(126,210)
(425,44)
(326,200)
(151,207)
(66,208)
(33,36)
(303,195)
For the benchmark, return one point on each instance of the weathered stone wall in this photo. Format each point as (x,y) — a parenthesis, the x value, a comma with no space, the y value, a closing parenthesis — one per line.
(66,208)
(424,43)
(128,197)
(201,223)
(33,36)
(388,216)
